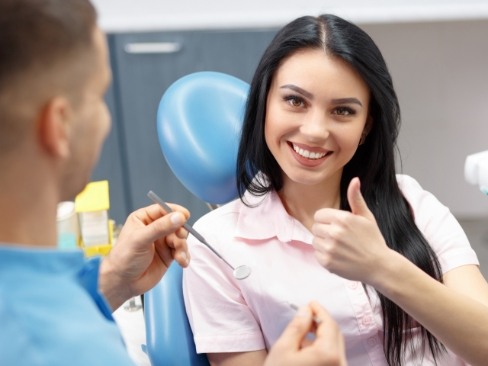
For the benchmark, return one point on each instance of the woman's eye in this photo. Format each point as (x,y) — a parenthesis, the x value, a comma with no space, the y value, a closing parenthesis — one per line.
(294,101)
(344,111)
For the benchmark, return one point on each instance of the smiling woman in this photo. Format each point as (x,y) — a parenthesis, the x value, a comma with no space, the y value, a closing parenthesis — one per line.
(315,118)
(322,210)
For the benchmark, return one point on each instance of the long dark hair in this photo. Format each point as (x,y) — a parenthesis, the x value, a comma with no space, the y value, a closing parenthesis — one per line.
(373,162)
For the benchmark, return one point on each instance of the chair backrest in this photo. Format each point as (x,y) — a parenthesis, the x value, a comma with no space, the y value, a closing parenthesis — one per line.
(199,121)
(169,339)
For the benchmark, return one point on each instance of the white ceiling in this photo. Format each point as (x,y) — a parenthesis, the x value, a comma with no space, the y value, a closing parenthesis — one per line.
(142,15)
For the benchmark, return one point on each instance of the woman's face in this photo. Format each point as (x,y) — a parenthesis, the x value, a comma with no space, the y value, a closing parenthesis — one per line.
(317,110)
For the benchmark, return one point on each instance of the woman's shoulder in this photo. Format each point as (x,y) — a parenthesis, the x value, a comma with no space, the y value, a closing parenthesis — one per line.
(418,197)
(411,189)
(407,182)
(438,225)
(423,203)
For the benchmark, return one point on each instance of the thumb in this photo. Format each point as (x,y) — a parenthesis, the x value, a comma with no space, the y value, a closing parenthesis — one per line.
(161,227)
(356,199)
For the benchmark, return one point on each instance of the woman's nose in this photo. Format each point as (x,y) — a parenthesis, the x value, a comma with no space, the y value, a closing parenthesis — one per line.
(315,126)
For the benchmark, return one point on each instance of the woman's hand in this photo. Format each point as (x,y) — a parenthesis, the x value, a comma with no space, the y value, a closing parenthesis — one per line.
(350,244)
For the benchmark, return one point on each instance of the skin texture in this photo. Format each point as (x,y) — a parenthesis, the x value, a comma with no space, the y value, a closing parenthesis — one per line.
(90,121)
(319,104)
(294,348)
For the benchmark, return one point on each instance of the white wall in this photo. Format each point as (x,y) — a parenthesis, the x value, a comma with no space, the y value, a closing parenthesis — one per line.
(440,71)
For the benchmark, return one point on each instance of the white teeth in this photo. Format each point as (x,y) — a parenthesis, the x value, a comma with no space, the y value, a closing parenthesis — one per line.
(308,154)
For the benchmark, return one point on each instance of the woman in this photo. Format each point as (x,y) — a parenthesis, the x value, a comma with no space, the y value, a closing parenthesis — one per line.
(322,215)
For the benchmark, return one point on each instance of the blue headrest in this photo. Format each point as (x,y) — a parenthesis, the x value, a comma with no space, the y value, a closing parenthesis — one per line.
(199,122)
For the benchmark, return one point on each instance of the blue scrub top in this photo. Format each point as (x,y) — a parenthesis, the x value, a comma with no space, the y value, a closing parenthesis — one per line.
(51,312)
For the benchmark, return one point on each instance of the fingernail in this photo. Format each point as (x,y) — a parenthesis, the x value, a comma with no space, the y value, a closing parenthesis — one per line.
(177,218)
(184,257)
(300,311)
(303,311)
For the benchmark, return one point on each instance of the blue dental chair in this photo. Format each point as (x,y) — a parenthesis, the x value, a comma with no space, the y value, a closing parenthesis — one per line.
(199,121)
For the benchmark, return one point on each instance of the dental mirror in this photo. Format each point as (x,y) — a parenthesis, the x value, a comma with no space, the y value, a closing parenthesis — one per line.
(239,273)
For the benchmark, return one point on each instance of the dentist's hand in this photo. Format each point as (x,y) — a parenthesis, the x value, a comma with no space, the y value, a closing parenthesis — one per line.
(147,244)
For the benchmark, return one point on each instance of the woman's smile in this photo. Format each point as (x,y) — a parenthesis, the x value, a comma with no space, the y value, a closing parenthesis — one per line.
(308,156)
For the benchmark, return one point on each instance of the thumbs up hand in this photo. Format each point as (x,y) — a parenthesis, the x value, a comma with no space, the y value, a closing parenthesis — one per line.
(356,201)
(350,244)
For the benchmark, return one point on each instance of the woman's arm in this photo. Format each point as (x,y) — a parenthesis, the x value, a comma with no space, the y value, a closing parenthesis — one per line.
(254,358)
(456,312)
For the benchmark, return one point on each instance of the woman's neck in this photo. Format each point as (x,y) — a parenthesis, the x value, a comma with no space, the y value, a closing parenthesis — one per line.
(302,201)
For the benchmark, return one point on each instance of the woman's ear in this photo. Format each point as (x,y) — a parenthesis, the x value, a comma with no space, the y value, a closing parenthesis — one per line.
(54,127)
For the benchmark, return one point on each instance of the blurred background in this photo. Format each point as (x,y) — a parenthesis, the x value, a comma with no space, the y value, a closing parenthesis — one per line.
(437,52)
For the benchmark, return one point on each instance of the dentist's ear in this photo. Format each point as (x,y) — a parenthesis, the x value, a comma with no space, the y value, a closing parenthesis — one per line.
(54,127)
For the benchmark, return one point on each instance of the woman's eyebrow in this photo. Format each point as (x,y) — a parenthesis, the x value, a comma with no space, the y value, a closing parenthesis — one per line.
(298,90)
(347,101)
(310,96)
